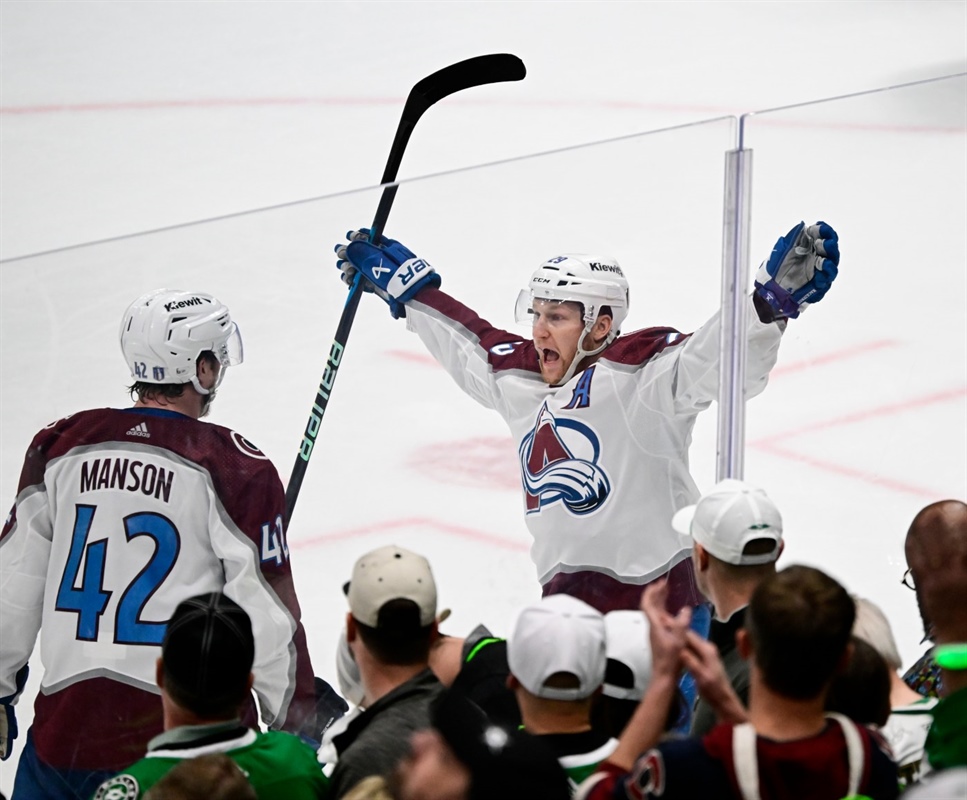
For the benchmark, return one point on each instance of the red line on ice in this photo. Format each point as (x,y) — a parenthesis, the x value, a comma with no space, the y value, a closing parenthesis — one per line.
(836,355)
(769,444)
(437,525)
(866,414)
(849,472)
(631,105)
(419,358)
(217,102)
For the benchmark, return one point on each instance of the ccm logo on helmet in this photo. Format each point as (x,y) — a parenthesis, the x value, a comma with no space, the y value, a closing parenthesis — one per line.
(597,266)
(195,301)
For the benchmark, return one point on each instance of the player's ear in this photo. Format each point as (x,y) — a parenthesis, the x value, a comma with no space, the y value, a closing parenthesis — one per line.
(701,557)
(602,327)
(206,370)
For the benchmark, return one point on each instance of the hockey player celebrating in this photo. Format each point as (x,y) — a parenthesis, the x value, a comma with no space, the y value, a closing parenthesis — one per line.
(602,422)
(120,515)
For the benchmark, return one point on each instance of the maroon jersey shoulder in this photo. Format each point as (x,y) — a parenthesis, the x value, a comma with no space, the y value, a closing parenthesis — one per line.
(505,350)
(210,446)
(635,349)
(242,476)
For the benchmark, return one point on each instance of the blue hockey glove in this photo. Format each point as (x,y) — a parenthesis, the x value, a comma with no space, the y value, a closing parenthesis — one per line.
(389,269)
(8,716)
(803,265)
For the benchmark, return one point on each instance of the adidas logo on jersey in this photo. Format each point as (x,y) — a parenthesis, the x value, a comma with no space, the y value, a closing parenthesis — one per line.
(141,429)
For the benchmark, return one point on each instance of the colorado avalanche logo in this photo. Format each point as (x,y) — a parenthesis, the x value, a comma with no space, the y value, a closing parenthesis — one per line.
(552,471)
(246,447)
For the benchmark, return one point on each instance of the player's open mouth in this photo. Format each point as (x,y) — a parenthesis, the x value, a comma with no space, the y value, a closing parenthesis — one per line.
(549,356)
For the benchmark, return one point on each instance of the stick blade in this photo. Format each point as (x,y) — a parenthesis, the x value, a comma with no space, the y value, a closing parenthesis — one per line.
(477,71)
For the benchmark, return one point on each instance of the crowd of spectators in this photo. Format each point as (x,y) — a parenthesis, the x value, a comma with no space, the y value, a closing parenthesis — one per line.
(800,687)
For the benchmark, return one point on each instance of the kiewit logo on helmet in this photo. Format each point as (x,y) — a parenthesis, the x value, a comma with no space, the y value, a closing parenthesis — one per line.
(195,301)
(597,266)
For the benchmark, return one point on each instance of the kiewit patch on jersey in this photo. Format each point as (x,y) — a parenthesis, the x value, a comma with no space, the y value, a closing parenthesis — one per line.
(558,463)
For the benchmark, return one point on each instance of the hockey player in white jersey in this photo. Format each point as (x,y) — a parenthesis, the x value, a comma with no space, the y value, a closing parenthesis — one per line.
(602,422)
(120,515)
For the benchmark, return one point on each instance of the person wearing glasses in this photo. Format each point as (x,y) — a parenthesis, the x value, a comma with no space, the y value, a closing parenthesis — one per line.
(936,552)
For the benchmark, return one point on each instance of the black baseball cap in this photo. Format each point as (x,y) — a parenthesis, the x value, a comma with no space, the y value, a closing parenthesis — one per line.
(207,652)
(503,762)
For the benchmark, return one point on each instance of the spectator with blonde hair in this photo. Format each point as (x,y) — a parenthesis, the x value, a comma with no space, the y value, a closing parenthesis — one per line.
(910,712)
(209,777)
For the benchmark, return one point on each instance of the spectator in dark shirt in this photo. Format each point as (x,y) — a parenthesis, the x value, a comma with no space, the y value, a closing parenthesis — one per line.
(390,628)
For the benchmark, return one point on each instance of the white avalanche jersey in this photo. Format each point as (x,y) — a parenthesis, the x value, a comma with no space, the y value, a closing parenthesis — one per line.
(120,516)
(604,458)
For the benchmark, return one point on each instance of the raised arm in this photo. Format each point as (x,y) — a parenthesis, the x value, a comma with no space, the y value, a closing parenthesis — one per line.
(798,273)
(667,638)
(467,346)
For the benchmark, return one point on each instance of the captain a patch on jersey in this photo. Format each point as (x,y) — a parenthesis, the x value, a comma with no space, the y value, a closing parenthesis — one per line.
(559,464)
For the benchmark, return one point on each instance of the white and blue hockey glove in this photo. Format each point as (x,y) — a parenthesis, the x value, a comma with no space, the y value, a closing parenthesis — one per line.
(389,269)
(8,716)
(803,265)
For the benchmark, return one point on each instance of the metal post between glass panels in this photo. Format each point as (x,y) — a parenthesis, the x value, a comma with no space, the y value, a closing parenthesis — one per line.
(730,443)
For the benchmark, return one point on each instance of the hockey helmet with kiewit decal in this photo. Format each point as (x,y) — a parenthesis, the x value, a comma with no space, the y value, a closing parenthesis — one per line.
(592,281)
(165,331)
(595,282)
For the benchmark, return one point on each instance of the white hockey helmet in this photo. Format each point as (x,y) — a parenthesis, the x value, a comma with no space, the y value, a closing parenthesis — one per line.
(592,281)
(163,333)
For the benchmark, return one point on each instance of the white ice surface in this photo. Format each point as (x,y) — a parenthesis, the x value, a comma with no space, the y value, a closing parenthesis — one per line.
(120,117)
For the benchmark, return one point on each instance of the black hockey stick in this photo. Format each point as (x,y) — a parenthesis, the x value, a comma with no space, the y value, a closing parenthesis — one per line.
(477,71)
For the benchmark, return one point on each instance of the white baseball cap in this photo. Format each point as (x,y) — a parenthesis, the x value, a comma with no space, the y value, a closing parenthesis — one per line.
(558,634)
(629,655)
(391,573)
(729,516)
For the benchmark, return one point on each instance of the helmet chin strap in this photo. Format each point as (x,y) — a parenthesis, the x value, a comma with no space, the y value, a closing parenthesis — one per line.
(581,353)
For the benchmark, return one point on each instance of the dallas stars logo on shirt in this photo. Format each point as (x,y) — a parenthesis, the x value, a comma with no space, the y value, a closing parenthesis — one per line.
(120,787)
